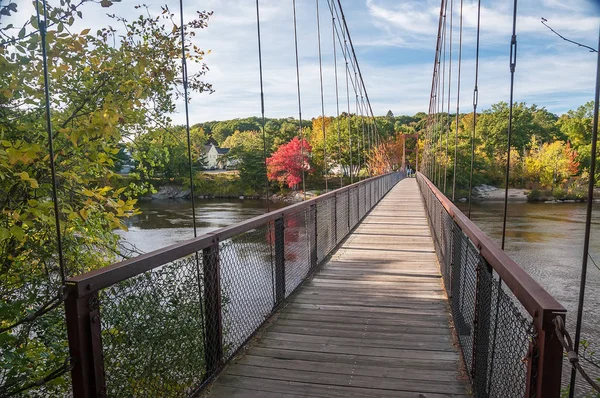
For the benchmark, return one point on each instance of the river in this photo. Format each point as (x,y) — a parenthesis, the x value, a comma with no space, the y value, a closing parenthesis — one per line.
(163,223)
(546,239)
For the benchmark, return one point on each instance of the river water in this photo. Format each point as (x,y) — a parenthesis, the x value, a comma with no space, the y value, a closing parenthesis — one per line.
(163,223)
(546,239)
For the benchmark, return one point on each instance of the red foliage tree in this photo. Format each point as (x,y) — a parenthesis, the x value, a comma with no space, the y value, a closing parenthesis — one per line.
(287,163)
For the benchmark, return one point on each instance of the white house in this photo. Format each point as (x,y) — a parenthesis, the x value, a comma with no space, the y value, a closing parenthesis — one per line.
(216,157)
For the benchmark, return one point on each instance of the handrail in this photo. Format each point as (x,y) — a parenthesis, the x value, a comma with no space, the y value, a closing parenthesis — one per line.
(534,298)
(544,356)
(111,274)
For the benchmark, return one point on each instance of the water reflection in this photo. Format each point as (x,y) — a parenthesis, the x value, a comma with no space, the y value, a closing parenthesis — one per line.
(166,222)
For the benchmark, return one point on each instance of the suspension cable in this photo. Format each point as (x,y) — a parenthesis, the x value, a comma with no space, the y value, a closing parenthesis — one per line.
(262,105)
(299,101)
(337,96)
(513,64)
(449,97)
(457,101)
(42,27)
(588,222)
(184,79)
(325,168)
(344,51)
(475,99)
(343,19)
(442,94)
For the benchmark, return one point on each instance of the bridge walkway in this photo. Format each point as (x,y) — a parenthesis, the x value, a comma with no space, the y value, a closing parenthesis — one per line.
(373,321)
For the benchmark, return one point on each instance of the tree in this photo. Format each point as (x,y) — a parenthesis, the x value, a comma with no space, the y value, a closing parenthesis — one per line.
(104,85)
(163,153)
(288,162)
(247,149)
(390,116)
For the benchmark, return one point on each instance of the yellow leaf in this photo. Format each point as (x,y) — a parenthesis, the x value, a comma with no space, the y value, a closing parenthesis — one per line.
(34,184)
(83,213)
(87,192)
(85,32)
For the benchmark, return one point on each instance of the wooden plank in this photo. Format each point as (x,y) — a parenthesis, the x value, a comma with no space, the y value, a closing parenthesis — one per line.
(405,373)
(374,321)
(336,379)
(312,389)
(350,359)
(417,353)
(396,330)
(388,338)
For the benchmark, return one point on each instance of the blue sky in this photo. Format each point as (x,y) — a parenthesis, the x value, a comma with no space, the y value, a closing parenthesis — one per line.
(395,44)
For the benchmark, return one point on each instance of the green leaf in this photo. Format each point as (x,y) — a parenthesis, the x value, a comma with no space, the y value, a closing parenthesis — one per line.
(17,232)
(22,33)
(4,233)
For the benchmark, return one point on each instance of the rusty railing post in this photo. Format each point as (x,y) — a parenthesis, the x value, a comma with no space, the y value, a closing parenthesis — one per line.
(213,352)
(279,260)
(85,343)
(544,360)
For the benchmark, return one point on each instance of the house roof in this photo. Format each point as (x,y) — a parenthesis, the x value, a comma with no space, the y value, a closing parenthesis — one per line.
(222,151)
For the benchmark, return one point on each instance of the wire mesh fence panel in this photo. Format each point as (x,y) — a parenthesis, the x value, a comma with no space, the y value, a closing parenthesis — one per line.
(247,283)
(297,249)
(342,221)
(152,332)
(509,336)
(363,201)
(325,228)
(360,200)
(352,209)
(464,285)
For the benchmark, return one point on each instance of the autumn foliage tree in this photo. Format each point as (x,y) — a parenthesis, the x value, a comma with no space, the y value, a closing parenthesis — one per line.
(106,85)
(288,162)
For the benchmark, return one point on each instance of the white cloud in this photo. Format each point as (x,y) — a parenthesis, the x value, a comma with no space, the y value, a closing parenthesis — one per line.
(395,44)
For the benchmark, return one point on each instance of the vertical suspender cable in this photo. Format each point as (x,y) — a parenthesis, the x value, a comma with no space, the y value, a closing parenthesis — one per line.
(457,102)
(357,129)
(475,98)
(187,116)
(449,90)
(344,51)
(184,79)
(345,25)
(325,168)
(337,97)
(513,64)
(588,222)
(442,94)
(42,27)
(433,101)
(299,101)
(262,104)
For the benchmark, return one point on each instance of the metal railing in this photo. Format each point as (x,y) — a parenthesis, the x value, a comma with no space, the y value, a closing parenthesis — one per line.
(164,323)
(502,317)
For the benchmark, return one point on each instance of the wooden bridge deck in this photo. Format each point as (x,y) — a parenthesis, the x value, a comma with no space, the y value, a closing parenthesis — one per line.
(374,321)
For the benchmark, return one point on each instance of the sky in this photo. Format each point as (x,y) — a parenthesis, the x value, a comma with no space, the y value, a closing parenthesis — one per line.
(395,46)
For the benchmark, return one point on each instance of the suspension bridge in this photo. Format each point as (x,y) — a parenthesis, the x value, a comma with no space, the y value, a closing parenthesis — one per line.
(382,287)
